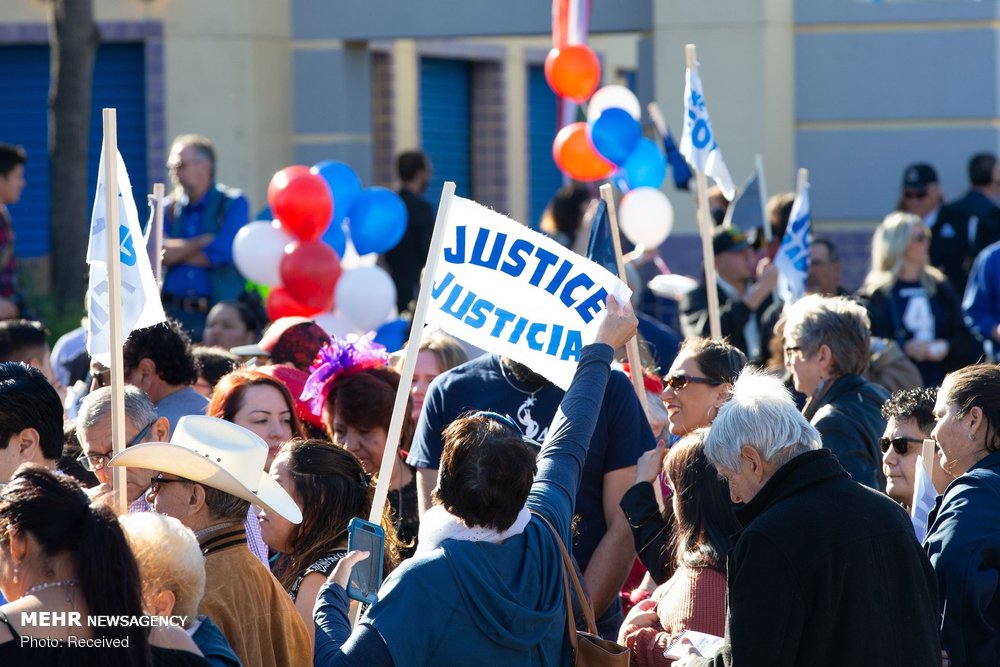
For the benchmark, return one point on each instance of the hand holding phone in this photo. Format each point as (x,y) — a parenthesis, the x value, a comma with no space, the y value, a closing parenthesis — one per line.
(366,575)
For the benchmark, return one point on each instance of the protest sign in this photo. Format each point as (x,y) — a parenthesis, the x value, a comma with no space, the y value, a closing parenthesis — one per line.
(513,291)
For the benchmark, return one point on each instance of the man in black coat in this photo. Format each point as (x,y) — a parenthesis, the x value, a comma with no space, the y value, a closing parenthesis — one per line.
(406,259)
(825,571)
(745,293)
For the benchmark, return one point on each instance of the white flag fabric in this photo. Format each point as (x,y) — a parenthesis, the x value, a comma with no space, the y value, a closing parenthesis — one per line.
(140,298)
(792,259)
(698,144)
(510,290)
(924,497)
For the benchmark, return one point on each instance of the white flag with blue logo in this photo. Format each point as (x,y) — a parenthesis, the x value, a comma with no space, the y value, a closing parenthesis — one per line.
(140,298)
(792,259)
(698,144)
(924,497)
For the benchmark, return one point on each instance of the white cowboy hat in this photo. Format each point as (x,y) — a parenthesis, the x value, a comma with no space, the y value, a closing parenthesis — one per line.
(219,454)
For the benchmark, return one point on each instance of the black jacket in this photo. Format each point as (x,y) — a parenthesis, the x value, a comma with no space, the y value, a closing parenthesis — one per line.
(951,249)
(651,530)
(964,347)
(733,316)
(849,419)
(827,572)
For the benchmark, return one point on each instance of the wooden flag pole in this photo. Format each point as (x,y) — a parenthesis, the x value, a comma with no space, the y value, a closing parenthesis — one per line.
(111,210)
(632,346)
(927,453)
(706,228)
(800,182)
(154,246)
(758,161)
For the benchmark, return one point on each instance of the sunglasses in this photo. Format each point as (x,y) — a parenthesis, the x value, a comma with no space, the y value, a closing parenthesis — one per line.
(914,194)
(678,381)
(157,482)
(94,462)
(901,445)
(919,236)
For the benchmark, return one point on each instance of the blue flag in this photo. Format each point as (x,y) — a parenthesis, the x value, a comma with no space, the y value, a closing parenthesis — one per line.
(746,211)
(601,248)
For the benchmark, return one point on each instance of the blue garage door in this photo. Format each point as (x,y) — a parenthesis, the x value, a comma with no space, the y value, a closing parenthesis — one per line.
(119,81)
(446,123)
(545,176)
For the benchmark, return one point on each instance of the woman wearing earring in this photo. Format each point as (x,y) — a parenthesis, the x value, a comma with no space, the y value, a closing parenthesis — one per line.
(827,345)
(913,303)
(963,542)
(697,384)
(330,486)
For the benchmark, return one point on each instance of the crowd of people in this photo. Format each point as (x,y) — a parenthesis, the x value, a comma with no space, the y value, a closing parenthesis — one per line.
(819,487)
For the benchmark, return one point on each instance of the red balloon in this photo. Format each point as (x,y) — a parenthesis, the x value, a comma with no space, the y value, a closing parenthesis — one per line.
(309,273)
(573,71)
(301,201)
(576,157)
(280,304)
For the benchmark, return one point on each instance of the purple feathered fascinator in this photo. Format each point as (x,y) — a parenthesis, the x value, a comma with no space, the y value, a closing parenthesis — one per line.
(343,356)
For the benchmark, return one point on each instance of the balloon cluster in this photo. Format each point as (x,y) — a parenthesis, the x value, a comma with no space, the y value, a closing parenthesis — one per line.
(610,144)
(318,254)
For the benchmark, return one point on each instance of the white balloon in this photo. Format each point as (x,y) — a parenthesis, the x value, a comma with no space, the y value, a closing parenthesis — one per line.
(352,259)
(671,286)
(258,249)
(613,96)
(334,324)
(646,217)
(365,297)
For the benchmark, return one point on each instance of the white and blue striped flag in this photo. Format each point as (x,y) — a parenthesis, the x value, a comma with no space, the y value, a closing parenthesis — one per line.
(792,258)
(698,144)
(140,297)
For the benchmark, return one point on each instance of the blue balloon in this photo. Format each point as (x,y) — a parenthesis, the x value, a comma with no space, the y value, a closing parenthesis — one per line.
(377,220)
(615,134)
(392,334)
(336,237)
(646,166)
(264,214)
(345,186)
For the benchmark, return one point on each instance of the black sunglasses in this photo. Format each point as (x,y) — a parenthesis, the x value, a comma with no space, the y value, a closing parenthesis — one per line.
(899,444)
(678,381)
(914,194)
(157,482)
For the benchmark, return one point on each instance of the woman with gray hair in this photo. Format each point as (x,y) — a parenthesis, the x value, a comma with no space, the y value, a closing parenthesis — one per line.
(172,570)
(827,343)
(913,303)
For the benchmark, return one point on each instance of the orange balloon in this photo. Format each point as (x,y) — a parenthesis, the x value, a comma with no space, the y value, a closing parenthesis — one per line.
(576,157)
(573,71)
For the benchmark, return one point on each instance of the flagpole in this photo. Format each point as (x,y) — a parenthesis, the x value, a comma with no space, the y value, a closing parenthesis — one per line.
(706,229)
(111,209)
(632,346)
(758,161)
(927,452)
(800,182)
(154,246)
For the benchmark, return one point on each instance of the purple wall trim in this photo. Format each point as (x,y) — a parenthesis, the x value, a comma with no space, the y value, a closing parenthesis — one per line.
(148,32)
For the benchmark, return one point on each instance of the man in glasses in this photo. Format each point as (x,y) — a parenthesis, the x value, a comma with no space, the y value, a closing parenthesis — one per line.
(201,219)
(93,430)
(909,418)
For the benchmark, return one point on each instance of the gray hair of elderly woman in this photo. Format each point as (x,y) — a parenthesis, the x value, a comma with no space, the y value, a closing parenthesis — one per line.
(96,407)
(760,414)
(835,321)
(169,558)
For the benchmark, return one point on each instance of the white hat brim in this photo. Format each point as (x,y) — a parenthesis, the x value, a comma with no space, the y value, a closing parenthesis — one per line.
(183,462)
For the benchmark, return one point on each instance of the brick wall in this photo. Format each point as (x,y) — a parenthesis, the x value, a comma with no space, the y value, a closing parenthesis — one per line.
(489,136)
(383,128)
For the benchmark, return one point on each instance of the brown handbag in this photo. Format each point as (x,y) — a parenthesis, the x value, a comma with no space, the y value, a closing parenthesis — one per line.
(589,649)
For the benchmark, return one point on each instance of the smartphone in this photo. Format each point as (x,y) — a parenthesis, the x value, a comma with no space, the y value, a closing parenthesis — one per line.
(366,576)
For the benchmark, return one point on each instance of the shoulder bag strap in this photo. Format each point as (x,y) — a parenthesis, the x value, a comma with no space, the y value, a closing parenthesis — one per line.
(570,573)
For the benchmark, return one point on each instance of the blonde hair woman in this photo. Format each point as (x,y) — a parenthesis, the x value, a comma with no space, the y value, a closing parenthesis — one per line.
(913,303)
